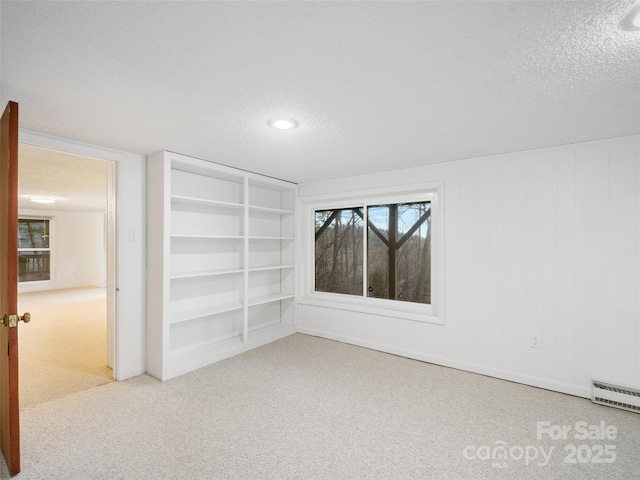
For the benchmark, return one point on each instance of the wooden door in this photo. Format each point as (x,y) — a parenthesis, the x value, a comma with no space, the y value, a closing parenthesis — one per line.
(9,410)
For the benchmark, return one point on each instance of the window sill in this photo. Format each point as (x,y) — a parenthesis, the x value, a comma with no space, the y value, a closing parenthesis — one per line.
(374,306)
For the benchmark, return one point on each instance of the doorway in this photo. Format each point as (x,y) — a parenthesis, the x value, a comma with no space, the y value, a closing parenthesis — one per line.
(70,292)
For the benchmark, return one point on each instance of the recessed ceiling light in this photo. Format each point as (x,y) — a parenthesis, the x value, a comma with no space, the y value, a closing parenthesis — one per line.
(631,21)
(42,199)
(284,123)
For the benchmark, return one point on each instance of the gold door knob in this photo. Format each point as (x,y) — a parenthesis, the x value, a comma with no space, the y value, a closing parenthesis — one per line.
(12,320)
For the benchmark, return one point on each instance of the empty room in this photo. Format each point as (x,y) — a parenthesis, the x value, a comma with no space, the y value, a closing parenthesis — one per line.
(333,239)
(62,273)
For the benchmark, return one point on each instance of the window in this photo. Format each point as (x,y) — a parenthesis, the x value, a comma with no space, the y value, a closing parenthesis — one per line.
(377,251)
(399,252)
(396,245)
(34,249)
(339,251)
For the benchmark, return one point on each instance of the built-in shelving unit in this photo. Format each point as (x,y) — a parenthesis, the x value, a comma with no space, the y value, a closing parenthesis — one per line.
(221,270)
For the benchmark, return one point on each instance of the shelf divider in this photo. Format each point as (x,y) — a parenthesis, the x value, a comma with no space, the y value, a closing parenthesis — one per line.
(245,231)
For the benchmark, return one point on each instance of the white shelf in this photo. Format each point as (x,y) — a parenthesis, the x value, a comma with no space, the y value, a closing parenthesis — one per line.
(220,242)
(272,238)
(206,237)
(275,297)
(210,273)
(188,358)
(264,325)
(181,199)
(193,314)
(206,169)
(271,267)
(275,211)
(231,339)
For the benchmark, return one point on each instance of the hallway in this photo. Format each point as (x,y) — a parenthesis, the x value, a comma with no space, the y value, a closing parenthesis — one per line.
(63,349)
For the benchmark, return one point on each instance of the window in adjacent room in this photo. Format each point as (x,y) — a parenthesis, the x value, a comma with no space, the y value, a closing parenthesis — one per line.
(34,249)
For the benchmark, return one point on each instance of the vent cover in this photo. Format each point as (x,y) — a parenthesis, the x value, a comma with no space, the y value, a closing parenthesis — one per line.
(615,396)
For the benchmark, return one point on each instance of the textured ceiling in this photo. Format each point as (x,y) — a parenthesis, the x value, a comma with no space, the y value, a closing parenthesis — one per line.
(77,183)
(375,85)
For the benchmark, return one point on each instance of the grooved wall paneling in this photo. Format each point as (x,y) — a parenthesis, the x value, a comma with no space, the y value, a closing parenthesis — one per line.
(543,242)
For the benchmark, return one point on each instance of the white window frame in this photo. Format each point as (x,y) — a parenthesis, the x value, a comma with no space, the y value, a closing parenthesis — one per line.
(51,249)
(432,192)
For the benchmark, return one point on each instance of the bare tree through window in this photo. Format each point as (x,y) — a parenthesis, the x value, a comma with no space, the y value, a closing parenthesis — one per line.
(398,251)
(339,251)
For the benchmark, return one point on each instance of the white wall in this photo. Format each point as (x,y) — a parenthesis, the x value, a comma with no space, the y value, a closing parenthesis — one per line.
(79,254)
(544,241)
(131,276)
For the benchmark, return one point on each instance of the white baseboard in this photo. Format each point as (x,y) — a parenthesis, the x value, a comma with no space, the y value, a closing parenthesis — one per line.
(130,374)
(446,362)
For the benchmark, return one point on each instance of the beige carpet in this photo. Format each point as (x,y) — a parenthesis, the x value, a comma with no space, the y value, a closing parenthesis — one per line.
(312,409)
(63,350)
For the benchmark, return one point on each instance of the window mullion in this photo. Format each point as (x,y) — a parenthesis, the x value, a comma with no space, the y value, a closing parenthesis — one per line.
(365,251)
(393,250)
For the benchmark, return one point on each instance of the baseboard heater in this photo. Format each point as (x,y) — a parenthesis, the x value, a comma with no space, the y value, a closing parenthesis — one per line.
(615,396)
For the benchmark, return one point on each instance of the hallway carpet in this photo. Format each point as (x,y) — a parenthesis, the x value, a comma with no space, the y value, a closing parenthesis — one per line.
(63,350)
